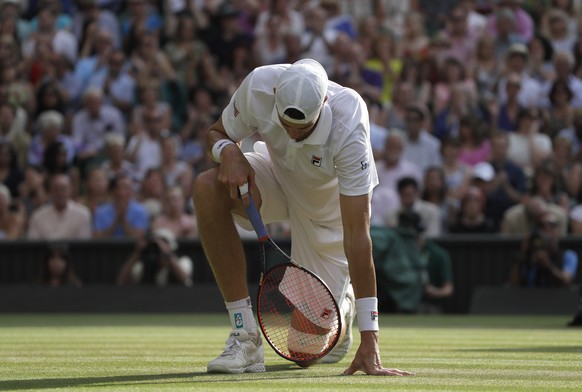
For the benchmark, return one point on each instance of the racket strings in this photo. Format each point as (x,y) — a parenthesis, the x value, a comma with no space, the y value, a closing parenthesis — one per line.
(298,314)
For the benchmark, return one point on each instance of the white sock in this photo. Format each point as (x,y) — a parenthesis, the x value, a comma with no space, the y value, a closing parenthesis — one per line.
(241,314)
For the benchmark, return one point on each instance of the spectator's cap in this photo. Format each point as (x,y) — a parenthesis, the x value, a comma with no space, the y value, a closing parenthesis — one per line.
(519,49)
(228,10)
(483,171)
(167,236)
(302,87)
(409,219)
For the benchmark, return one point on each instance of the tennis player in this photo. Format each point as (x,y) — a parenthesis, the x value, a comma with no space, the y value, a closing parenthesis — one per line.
(313,168)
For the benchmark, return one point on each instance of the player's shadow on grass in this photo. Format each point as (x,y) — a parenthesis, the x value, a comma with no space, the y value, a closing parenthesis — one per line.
(141,379)
(541,349)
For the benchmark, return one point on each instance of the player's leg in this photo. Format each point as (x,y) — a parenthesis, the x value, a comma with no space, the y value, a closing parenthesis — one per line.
(218,235)
(244,351)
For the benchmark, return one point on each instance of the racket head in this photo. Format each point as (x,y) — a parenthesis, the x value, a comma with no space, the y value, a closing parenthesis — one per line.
(297,313)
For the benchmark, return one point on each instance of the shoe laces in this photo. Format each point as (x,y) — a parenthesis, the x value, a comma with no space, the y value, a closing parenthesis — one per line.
(233,346)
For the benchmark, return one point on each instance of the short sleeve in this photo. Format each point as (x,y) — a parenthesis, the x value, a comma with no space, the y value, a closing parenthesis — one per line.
(236,117)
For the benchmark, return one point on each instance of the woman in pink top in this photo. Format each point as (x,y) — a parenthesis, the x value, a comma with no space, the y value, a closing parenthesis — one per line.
(475,147)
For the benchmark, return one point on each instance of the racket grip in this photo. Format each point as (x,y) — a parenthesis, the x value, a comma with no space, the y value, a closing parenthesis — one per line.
(256,221)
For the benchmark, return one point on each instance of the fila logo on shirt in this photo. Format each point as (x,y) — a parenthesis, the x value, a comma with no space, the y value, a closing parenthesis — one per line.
(316,161)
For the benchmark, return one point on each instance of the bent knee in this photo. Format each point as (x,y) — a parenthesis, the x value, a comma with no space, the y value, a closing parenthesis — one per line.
(206,187)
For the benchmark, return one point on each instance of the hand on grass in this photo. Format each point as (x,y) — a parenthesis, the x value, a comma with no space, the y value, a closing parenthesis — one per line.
(367,359)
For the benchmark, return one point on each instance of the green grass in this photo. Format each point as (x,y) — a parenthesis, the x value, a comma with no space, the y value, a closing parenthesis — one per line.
(170,352)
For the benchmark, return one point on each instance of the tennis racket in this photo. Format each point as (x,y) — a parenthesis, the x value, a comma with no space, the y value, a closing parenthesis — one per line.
(297,312)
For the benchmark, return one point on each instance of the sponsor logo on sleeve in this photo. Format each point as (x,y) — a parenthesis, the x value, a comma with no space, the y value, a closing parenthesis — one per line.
(365,165)
(236,111)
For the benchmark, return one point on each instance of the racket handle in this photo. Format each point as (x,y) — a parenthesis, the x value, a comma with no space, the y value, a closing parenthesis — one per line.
(256,221)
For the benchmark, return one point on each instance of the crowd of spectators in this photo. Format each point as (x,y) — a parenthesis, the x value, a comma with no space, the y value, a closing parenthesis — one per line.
(475,106)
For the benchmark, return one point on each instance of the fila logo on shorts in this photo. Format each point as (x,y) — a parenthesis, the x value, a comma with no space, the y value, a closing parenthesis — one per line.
(316,161)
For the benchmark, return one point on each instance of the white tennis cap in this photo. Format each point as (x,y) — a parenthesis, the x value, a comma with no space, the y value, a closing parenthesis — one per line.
(303,87)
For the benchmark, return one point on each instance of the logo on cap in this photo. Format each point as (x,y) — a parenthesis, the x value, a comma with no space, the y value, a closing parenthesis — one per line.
(236,111)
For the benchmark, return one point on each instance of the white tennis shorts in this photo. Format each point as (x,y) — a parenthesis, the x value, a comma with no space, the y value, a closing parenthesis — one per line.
(318,248)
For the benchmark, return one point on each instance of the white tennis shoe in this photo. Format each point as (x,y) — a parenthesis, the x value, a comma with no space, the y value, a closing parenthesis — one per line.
(345,344)
(244,353)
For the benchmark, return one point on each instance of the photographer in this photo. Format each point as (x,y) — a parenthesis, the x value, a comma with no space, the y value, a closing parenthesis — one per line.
(541,262)
(154,261)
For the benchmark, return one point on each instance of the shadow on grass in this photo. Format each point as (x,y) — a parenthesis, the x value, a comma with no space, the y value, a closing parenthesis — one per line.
(542,349)
(141,379)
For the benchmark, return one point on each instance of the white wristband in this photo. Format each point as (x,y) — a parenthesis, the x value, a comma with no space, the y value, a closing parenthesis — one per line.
(367,311)
(218,147)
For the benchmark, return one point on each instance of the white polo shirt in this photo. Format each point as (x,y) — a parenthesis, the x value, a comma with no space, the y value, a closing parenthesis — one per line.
(337,155)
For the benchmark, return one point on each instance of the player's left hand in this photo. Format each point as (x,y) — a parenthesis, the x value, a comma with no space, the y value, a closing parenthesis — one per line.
(367,359)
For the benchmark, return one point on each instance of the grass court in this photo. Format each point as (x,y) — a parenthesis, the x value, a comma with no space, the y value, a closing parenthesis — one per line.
(161,352)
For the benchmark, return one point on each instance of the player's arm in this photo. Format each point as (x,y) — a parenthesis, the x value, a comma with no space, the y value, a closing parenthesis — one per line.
(234,168)
(358,248)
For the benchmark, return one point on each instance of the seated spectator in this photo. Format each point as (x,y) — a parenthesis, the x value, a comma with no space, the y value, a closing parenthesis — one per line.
(435,191)
(409,195)
(154,261)
(382,68)
(457,173)
(93,123)
(117,84)
(55,162)
(62,41)
(527,216)
(574,134)
(452,75)
(96,190)
(57,269)
(115,162)
(528,147)
(487,69)
(530,90)
(507,112)
(12,216)
(12,130)
(151,192)
(92,13)
(150,105)
(144,150)
(559,114)
(393,166)
(173,216)
(123,217)
(568,171)
(62,218)
(541,261)
(420,147)
(189,55)
(472,219)
(453,115)
(509,183)
(545,185)
(50,130)
(174,171)
(318,38)
(475,146)
(10,174)
(32,190)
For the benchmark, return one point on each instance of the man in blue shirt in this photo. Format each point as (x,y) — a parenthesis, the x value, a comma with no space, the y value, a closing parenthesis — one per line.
(123,216)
